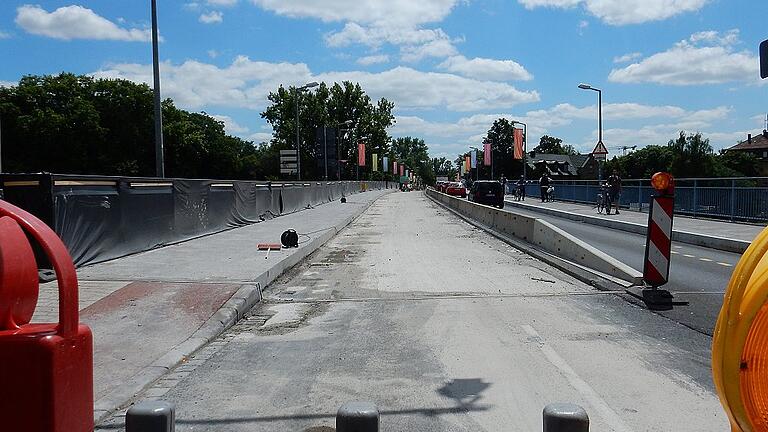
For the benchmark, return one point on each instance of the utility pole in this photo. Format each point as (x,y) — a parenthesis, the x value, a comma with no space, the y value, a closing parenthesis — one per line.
(159,157)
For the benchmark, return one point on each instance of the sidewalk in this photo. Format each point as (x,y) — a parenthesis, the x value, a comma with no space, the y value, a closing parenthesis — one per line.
(733,237)
(151,311)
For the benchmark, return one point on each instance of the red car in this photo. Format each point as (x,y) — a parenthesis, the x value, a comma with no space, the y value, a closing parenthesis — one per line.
(456,189)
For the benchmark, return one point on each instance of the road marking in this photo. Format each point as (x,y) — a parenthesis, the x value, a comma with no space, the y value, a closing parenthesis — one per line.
(705,259)
(725,264)
(675,252)
(605,411)
(689,256)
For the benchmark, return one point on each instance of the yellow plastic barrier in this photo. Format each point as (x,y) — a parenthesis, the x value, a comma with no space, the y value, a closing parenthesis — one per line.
(740,342)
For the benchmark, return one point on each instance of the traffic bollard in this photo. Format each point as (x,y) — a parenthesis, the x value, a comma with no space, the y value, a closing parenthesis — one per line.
(151,416)
(357,417)
(565,417)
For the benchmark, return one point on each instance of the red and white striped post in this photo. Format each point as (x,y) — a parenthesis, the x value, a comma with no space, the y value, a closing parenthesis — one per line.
(658,246)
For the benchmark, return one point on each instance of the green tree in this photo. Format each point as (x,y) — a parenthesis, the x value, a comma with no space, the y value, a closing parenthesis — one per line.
(552,145)
(642,163)
(692,156)
(414,154)
(342,106)
(501,138)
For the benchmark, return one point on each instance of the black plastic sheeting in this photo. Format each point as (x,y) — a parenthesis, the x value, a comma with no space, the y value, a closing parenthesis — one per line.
(102,218)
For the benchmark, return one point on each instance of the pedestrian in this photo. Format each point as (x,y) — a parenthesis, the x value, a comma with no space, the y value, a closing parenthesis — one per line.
(614,191)
(503,182)
(520,188)
(544,182)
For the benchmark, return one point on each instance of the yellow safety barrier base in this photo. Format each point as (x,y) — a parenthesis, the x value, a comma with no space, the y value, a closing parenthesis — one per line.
(740,342)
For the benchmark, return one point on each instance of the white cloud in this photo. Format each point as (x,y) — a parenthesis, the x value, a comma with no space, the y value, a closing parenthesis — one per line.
(246,83)
(224,3)
(74,22)
(259,137)
(211,17)
(437,48)
(231,126)
(4,35)
(622,12)
(627,57)
(415,43)
(704,58)
(486,69)
(397,13)
(8,83)
(373,59)
(212,53)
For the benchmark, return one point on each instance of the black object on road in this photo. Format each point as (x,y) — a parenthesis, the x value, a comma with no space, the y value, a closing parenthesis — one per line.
(565,417)
(290,239)
(357,417)
(151,416)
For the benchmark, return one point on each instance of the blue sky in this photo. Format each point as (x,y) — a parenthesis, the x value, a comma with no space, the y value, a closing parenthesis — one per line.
(450,66)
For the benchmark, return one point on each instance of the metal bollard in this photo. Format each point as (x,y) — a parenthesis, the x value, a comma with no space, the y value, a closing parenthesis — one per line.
(151,416)
(565,417)
(357,417)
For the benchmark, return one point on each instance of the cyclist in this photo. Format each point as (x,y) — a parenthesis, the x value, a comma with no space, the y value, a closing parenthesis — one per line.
(544,182)
(520,188)
(614,191)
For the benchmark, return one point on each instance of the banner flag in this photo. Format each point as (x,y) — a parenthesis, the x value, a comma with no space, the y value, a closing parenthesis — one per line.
(394,167)
(375,161)
(473,159)
(385,164)
(402,169)
(467,165)
(518,137)
(361,154)
(487,161)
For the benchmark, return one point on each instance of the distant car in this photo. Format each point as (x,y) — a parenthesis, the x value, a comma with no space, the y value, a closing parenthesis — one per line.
(456,189)
(488,192)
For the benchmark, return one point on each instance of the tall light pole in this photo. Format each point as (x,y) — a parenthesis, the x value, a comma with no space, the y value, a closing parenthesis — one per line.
(525,145)
(159,159)
(298,142)
(599,123)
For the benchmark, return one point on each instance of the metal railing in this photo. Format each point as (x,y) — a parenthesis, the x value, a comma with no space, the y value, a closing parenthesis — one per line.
(743,199)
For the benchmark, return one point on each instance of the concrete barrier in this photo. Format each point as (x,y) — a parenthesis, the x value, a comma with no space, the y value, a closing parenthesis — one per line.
(711,242)
(542,235)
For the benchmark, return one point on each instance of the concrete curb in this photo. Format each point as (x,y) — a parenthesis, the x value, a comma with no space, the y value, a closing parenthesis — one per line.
(712,242)
(587,275)
(246,297)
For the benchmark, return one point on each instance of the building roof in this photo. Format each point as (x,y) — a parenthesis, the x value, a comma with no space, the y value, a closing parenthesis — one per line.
(758,142)
(559,165)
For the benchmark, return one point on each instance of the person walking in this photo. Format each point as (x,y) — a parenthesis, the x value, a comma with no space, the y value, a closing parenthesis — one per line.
(544,182)
(614,191)
(520,188)
(503,182)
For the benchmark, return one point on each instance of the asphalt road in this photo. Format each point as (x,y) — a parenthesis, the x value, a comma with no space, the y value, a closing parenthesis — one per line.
(445,328)
(697,275)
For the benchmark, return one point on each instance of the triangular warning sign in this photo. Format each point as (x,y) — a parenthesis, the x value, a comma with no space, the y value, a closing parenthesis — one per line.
(600,149)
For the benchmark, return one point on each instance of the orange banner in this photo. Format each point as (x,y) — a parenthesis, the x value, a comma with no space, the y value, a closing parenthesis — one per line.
(518,137)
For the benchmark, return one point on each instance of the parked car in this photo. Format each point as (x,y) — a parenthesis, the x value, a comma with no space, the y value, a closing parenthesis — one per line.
(456,189)
(488,192)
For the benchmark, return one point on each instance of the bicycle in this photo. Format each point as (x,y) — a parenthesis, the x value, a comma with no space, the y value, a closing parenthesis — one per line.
(603,201)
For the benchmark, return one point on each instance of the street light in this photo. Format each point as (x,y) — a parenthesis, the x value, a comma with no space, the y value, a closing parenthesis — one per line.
(159,158)
(599,122)
(525,145)
(298,144)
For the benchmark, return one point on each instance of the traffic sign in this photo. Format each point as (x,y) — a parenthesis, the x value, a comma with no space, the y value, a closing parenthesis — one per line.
(600,149)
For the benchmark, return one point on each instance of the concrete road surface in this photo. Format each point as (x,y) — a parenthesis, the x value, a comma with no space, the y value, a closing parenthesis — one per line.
(446,329)
(697,275)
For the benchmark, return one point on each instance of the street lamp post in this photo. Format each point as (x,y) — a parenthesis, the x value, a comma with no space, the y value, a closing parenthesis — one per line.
(298,143)
(599,123)
(159,157)
(525,145)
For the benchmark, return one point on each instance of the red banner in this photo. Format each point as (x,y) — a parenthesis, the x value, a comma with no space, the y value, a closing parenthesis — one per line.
(467,164)
(361,154)
(394,167)
(518,137)
(487,154)
(402,170)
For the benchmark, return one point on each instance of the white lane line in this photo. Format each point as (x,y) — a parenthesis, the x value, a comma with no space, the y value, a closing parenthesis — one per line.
(689,256)
(725,264)
(705,259)
(675,252)
(605,411)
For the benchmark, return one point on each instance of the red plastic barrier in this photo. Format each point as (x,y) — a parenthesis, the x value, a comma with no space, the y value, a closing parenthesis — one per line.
(46,370)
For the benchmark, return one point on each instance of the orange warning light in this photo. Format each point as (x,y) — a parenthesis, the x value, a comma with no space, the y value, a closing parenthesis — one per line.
(663,182)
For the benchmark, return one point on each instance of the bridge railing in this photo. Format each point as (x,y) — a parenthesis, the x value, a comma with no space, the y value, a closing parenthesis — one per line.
(743,199)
